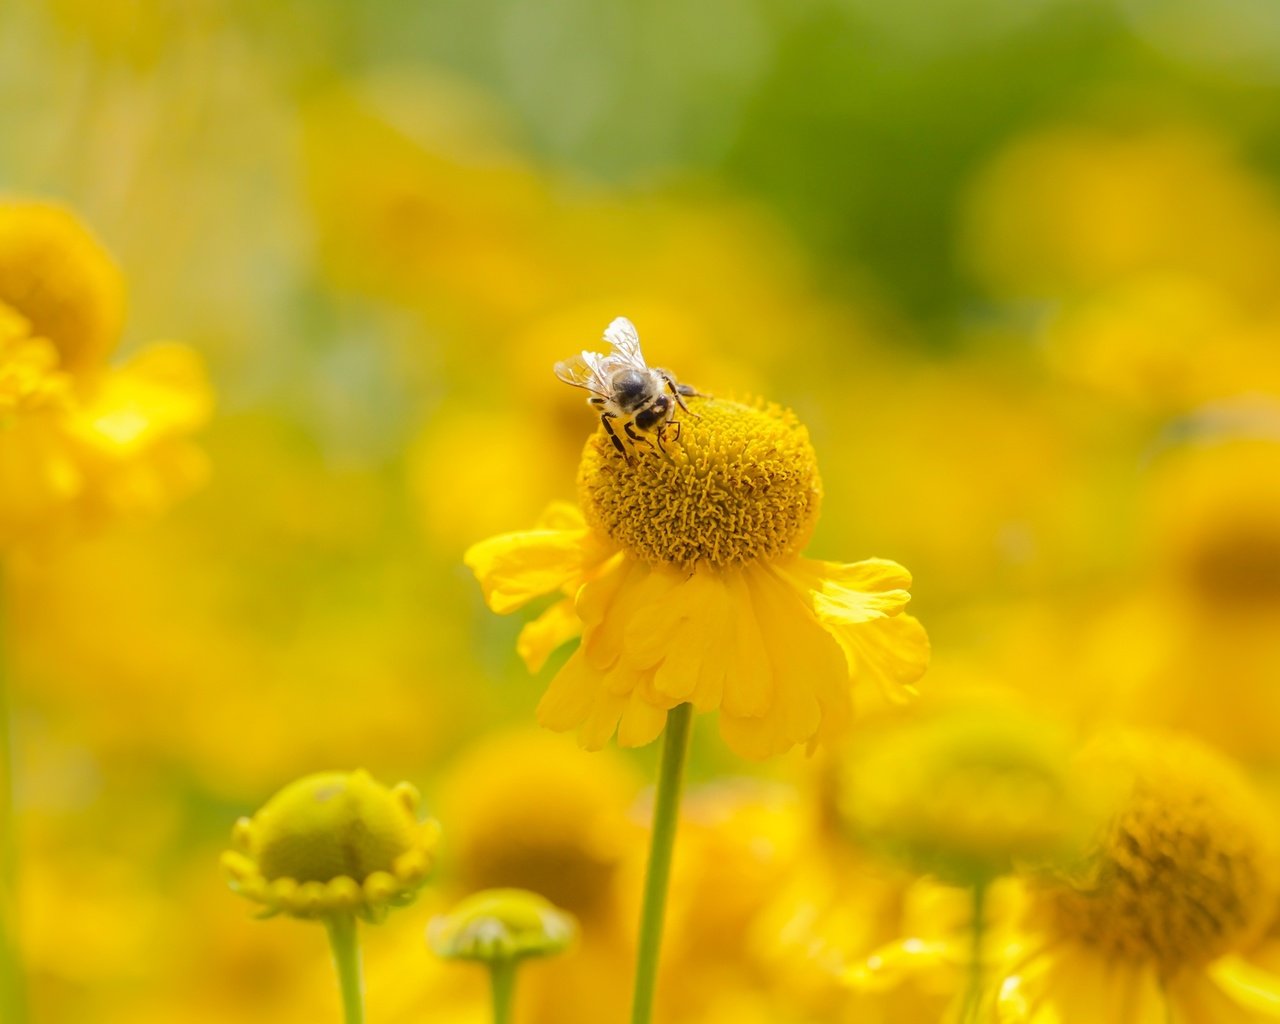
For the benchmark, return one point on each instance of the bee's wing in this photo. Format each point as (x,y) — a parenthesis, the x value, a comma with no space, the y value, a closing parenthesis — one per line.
(621,334)
(584,371)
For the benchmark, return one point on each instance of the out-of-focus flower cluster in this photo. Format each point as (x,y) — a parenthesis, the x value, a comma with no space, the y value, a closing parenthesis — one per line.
(1075,448)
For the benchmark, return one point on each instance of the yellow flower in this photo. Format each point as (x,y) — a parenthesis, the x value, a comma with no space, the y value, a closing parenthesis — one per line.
(82,441)
(332,843)
(59,277)
(968,792)
(1183,877)
(684,577)
(501,924)
(530,810)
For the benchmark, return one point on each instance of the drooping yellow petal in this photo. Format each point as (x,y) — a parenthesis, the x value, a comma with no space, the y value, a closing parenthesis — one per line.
(892,652)
(557,625)
(1229,992)
(641,722)
(1069,984)
(748,672)
(514,568)
(852,592)
(607,612)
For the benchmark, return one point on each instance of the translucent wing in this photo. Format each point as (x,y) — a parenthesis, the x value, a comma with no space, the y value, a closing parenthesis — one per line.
(621,334)
(585,370)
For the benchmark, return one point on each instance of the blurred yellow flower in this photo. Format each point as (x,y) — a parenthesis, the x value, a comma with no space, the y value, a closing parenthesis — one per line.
(685,579)
(333,843)
(1184,876)
(530,810)
(81,442)
(969,791)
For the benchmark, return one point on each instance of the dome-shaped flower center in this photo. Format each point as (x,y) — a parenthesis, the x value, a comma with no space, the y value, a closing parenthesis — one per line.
(1185,872)
(331,825)
(58,277)
(1239,567)
(739,483)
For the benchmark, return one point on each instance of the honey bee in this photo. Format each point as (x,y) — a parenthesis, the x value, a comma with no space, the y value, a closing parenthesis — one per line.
(628,392)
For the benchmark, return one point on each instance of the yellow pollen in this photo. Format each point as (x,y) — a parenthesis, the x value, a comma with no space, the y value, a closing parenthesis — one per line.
(740,483)
(1185,872)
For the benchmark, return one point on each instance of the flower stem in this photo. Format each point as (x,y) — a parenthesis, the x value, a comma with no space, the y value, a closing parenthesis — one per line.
(977,932)
(345,943)
(675,745)
(502,982)
(13,1002)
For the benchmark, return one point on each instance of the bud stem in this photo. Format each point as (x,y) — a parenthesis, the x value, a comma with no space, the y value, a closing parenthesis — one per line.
(675,745)
(502,982)
(13,1004)
(345,943)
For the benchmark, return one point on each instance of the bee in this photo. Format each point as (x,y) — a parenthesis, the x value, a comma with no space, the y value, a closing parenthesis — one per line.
(627,391)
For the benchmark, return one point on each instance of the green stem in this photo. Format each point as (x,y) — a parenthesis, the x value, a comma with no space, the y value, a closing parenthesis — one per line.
(977,932)
(675,745)
(13,999)
(345,943)
(502,981)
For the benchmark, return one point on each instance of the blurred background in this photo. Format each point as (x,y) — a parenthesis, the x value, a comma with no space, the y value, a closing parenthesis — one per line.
(1016,263)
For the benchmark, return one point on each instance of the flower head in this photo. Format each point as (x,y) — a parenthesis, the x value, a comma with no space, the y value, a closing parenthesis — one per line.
(333,842)
(501,924)
(556,825)
(1183,876)
(683,576)
(1186,871)
(60,278)
(82,441)
(967,793)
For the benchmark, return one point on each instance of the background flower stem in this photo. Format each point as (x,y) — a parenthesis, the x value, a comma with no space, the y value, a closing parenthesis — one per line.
(675,745)
(502,980)
(345,943)
(977,929)
(13,1003)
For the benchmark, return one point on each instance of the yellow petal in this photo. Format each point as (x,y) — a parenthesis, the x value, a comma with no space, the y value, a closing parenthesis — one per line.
(1230,992)
(849,593)
(1072,985)
(607,612)
(641,723)
(570,696)
(748,673)
(557,625)
(892,653)
(514,568)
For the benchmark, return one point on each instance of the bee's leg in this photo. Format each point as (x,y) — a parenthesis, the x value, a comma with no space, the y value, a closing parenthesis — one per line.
(605,417)
(679,392)
(636,438)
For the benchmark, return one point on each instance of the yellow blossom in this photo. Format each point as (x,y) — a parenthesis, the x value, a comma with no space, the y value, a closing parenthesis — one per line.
(1148,929)
(333,843)
(968,792)
(684,577)
(81,440)
(556,824)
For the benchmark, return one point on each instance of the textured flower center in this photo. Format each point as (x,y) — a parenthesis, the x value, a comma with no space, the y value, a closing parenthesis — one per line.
(1186,870)
(1239,568)
(57,276)
(739,483)
(332,825)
